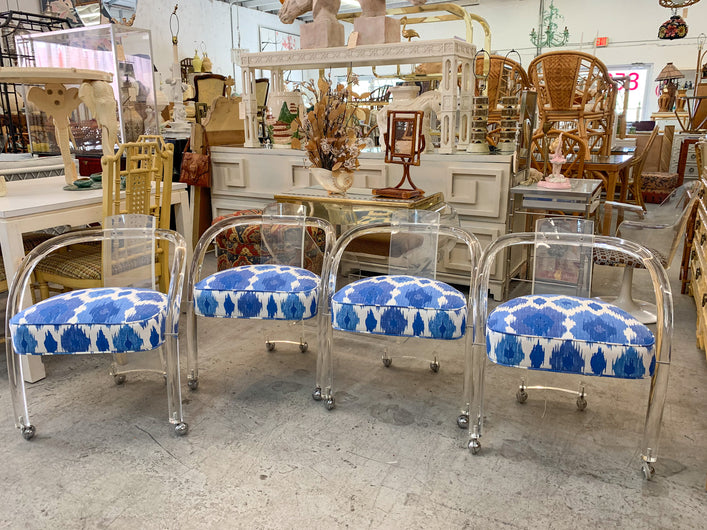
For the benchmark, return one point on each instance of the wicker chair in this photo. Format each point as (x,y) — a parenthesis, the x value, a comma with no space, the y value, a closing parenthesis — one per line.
(575,88)
(147,162)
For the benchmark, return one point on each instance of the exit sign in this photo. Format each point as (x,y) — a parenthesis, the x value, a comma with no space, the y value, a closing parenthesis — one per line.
(601,42)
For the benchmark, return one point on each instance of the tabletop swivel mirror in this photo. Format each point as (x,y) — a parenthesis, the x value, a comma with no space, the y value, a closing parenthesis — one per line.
(404,141)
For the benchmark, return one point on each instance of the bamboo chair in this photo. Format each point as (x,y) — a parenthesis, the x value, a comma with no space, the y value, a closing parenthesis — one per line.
(147,179)
(575,87)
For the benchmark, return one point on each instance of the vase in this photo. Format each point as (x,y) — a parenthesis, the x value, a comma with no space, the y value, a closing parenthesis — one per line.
(338,181)
(196,62)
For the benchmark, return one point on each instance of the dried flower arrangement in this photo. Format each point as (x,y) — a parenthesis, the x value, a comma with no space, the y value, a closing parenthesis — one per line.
(330,132)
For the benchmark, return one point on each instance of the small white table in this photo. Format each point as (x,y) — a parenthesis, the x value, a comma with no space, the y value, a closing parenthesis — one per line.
(38,204)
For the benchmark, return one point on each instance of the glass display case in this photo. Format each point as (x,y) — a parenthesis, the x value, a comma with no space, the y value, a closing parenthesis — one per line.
(124,51)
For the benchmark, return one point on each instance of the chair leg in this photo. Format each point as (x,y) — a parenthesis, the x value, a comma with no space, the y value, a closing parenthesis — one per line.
(17,391)
(654,417)
(325,370)
(644,312)
(192,354)
(174,391)
(476,396)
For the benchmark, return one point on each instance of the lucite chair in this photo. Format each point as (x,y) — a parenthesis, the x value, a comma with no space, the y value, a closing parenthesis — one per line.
(276,287)
(407,302)
(569,334)
(128,314)
(660,229)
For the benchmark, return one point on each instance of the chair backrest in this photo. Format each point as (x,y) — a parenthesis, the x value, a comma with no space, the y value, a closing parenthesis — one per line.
(143,170)
(662,228)
(129,262)
(571,81)
(573,148)
(413,243)
(262,86)
(560,268)
(506,78)
(208,87)
(285,244)
(640,160)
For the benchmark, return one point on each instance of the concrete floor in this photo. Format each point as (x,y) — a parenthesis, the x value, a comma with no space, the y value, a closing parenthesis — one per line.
(262,454)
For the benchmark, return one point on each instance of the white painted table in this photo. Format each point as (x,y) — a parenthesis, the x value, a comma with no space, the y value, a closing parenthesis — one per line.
(38,204)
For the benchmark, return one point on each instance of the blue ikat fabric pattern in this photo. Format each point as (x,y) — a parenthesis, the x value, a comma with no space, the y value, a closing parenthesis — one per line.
(100,320)
(271,292)
(567,334)
(402,306)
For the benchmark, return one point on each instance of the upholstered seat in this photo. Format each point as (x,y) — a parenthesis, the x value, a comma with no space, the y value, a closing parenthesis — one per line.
(273,292)
(402,306)
(107,320)
(568,334)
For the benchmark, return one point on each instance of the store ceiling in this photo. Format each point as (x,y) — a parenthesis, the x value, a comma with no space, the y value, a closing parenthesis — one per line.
(347,6)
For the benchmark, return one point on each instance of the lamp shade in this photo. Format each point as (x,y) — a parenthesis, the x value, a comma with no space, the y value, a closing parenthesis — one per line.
(675,28)
(669,71)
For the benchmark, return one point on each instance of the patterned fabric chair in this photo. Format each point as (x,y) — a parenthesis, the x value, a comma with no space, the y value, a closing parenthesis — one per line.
(569,334)
(127,315)
(406,302)
(241,245)
(273,284)
(661,230)
(657,185)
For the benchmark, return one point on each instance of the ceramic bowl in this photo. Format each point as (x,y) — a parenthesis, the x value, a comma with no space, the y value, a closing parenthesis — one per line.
(97,177)
(84,182)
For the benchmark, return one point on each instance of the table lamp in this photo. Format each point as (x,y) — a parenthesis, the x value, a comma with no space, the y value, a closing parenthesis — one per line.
(666,83)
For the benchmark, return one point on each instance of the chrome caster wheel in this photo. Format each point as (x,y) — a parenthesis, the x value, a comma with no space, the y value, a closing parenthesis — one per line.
(193,384)
(119,379)
(434,366)
(387,361)
(330,404)
(521,396)
(463,421)
(180,429)
(581,403)
(303,347)
(269,346)
(28,432)
(648,471)
(317,394)
(474,446)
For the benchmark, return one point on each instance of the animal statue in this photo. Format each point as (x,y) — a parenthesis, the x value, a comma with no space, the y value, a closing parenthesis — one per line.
(321,9)
(408,33)
(428,102)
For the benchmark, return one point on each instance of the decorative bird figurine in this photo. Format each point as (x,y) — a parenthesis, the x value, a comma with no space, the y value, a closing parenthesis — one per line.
(408,33)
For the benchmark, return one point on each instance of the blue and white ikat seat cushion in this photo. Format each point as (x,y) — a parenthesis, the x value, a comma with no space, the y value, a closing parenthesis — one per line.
(101,320)
(571,335)
(400,306)
(272,292)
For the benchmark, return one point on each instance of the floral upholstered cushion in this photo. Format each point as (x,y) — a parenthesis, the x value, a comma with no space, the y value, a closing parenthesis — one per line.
(92,321)
(401,306)
(568,334)
(241,245)
(274,292)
